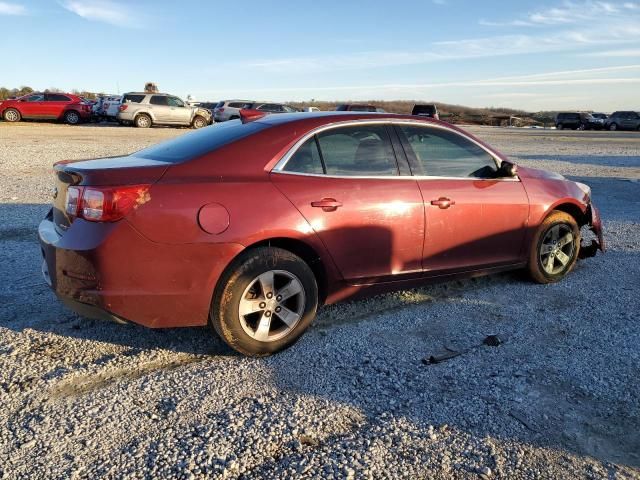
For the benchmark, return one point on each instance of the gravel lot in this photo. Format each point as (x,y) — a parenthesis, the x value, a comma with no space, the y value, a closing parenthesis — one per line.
(560,398)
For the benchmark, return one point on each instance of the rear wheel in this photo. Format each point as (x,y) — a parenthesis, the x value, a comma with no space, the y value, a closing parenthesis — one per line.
(613,127)
(266,300)
(234,117)
(72,117)
(199,122)
(12,115)
(555,248)
(143,121)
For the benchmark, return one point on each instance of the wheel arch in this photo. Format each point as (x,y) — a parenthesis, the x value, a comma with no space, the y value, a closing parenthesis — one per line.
(575,210)
(298,247)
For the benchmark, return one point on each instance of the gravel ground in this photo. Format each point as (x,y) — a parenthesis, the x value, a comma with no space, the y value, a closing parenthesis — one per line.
(560,398)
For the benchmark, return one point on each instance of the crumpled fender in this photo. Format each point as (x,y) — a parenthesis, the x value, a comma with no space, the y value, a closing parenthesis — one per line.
(595,224)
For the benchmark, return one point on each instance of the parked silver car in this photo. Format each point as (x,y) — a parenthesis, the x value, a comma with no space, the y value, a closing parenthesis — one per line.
(230,109)
(147,109)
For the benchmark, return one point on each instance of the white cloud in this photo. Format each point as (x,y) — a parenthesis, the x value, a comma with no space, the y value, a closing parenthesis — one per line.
(630,52)
(12,9)
(105,11)
(569,13)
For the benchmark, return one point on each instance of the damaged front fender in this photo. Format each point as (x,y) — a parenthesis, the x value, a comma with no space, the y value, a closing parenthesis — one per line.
(595,225)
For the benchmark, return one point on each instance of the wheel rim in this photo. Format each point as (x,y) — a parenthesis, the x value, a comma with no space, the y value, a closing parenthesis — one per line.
(272,305)
(11,116)
(199,123)
(557,249)
(613,126)
(72,117)
(143,121)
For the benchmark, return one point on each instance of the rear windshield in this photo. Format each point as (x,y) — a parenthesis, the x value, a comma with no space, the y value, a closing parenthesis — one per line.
(424,109)
(204,140)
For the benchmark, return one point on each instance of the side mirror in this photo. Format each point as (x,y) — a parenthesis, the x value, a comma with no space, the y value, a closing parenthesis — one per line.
(508,169)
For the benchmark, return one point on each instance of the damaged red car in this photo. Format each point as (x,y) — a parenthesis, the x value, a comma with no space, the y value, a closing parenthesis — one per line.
(251,225)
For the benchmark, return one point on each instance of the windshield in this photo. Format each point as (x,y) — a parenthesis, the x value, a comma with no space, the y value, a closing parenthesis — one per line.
(205,140)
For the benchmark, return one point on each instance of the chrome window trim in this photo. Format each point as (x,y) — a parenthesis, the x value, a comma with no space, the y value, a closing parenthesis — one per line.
(279,166)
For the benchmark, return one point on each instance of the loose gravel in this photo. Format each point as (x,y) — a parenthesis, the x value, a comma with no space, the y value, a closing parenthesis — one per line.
(355,397)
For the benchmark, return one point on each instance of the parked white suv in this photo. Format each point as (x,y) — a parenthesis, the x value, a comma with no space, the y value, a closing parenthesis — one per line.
(147,109)
(230,109)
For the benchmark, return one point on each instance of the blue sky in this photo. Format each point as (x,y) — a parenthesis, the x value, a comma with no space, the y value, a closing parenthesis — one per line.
(524,54)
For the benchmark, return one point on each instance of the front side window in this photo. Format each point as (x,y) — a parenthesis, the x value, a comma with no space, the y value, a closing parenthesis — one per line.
(35,98)
(175,102)
(357,151)
(443,153)
(158,100)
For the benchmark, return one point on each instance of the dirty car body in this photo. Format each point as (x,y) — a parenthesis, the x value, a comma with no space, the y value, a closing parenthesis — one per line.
(155,237)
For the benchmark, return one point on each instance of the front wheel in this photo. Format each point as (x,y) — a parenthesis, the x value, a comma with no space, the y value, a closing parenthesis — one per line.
(613,127)
(555,248)
(266,300)
(199,122)
(12,115)
(559,126)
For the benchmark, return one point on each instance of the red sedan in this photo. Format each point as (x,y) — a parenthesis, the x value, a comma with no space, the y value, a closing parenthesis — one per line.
(252,224)
(46,106)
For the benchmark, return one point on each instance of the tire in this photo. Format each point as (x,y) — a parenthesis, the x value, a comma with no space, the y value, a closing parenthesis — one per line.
(199,122)
(72,117)
(613,127)
(550,262)
(241,286)
(143,121)
(559,126)
(12,115)
(234,117)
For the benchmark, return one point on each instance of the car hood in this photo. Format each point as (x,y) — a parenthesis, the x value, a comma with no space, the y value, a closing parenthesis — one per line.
(527,172)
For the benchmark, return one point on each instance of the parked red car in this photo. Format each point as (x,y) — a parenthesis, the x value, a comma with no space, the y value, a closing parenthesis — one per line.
(252,224)
(46,106)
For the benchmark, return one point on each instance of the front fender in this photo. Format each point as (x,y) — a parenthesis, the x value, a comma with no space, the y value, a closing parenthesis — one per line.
(595,225)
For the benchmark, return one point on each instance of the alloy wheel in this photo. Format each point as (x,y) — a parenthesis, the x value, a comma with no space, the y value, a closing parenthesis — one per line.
(72,118)
(557,249)
(11,116)
(272,305)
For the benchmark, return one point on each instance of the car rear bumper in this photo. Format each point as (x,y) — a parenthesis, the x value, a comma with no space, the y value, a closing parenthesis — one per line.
(110,271)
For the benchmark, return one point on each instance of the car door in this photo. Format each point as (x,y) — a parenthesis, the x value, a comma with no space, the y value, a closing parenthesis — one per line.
(32,106)
(473,217)
(180,112)
(159,107)
(55,104)
(346,183)
(629,121)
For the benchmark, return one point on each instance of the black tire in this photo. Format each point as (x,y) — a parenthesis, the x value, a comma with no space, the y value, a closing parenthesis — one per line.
(72,117)
(240,276)
(559,126)
(537,270)
(12,115)
(234,117)
(143,121)
(199,122)
(613,127)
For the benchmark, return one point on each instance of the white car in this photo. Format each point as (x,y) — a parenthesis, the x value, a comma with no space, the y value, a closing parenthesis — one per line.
(110,106)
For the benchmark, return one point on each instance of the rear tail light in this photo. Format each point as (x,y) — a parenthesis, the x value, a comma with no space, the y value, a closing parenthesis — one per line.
(123,107)
(220,110)
(104,204)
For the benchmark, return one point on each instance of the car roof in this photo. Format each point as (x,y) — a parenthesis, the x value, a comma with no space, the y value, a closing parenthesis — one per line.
(338,116)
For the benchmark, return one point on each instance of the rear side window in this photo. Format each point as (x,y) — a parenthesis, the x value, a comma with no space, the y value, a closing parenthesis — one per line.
(236,104)
(56,97)
(133,98)
(306,159)
(358,151)
(204,140)
(219,104)
(158,100)
(442,153)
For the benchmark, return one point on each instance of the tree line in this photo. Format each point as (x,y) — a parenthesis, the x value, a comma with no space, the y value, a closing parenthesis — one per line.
(6,93)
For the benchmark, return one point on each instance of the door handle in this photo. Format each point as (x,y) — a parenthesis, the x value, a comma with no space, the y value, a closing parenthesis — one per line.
(443,202)
(327,204)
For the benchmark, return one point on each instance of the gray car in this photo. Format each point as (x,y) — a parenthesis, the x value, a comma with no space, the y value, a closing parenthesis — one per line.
(625,120)
(230,109)
(147,109)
